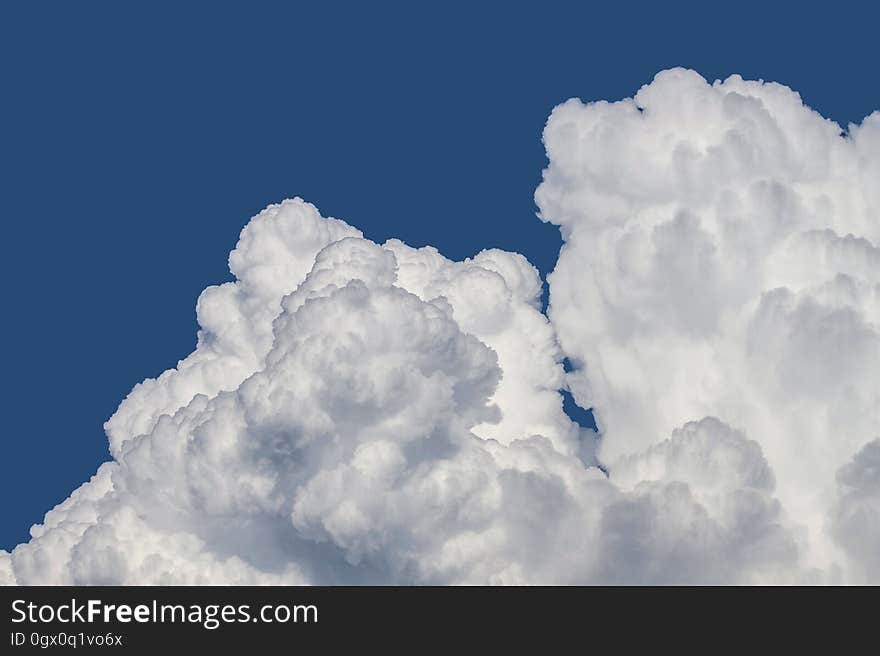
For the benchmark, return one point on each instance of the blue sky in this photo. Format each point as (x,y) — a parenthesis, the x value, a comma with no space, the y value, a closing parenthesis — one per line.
(137,142)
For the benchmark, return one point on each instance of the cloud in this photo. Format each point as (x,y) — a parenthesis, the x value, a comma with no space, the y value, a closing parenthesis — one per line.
(373,413)
(721,258)
(855,518)
(322,394)
(274,253)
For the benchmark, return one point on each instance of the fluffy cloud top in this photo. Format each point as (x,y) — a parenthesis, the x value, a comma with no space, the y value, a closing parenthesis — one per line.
(721,258)
(365,413)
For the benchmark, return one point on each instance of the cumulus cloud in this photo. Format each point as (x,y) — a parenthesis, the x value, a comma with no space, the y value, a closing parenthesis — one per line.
(721,258)
(855,518)
(373,413)
(326,414)
(274,253)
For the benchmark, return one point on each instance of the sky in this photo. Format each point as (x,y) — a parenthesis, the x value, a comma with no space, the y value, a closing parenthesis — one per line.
(137,142)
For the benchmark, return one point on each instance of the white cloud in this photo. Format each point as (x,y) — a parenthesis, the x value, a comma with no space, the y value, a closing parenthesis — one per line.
(312,403)
(855,519)
(274,253)
(364,413)
(721,258)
